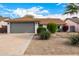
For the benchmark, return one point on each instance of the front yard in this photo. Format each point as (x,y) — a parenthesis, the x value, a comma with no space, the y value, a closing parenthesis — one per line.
(56,45)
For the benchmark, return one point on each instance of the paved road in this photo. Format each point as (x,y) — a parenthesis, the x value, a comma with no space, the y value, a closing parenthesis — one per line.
(14,44)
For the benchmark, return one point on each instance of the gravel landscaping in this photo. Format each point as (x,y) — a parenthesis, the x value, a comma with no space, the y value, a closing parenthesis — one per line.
(56,45)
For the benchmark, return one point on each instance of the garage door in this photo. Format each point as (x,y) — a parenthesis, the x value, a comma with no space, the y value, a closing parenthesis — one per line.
(72,28)
(25,27)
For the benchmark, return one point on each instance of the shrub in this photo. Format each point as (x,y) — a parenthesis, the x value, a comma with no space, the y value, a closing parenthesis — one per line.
(74,39)
(52,27)
(44,35)
(65,28)
(40,29)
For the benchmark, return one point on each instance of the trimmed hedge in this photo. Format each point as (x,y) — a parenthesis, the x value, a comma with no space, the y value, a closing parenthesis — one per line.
(74,39)
(52,27)
(44,35)
(40,29)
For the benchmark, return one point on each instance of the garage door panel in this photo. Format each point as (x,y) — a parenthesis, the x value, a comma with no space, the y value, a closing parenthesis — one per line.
(72,28)
(22,27)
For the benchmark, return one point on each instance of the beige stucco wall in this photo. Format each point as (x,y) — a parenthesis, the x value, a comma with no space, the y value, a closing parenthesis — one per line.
(71,23)
(36,26)
(3,23)
(45,26)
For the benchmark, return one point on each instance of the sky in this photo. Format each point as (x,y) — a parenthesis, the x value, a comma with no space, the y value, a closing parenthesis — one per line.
(38,10)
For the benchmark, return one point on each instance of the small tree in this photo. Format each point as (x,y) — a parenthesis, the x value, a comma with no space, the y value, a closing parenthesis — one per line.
(52,27)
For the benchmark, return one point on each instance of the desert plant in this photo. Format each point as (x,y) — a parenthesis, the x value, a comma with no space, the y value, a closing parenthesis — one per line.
(65,28)
(44,35)
(71,8)
(74,39)
(52,27)
(40,29)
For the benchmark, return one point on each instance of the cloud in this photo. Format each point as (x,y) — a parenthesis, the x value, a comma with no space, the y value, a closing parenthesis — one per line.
(63,17)
(37,12)
(44,11)
(31,11)
(60,4)
(20,12)
(53,16)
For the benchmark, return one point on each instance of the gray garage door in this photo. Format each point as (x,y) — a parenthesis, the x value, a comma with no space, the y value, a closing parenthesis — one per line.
(72,28)
(25,27)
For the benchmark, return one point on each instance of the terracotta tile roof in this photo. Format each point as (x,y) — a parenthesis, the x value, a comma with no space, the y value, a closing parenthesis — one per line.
(40,20)
(50,20)
(24,19)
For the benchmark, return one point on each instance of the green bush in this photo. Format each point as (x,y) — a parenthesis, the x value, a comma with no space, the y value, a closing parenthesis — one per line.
(44,35)
(52,27)
(74,39)
(40,29)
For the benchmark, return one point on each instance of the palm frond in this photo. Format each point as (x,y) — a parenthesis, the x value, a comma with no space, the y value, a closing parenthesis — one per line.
(71,9)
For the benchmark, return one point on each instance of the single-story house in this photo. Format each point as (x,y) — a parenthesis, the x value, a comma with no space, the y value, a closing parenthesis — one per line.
(73,24)
(29,24)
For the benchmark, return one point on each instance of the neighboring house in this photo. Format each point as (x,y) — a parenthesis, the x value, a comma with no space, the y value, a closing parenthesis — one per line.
(3,24)
(29,24)
(73,24)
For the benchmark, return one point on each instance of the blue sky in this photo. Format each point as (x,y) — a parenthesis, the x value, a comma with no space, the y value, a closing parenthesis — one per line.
(15,10)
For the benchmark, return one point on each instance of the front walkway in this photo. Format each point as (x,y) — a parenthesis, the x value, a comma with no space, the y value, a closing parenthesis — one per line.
(14,44)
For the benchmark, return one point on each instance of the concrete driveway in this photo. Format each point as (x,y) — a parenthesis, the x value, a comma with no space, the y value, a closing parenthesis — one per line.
(14,44)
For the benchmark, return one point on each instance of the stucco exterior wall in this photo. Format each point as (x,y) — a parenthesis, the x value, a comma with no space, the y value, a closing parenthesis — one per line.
(77,29)
(45,26)
(8,28)
(36,26)
(2,23)
(71,23)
